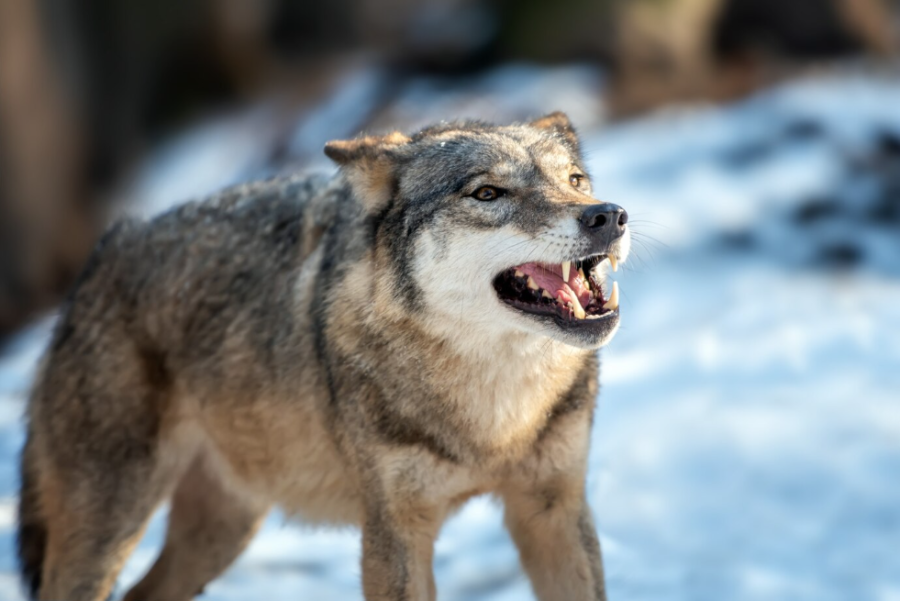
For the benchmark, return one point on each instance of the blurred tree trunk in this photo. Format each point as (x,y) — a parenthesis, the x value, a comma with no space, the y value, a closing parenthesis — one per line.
(681,50)
(44,231)
(662,52)
(874,23)
(84,88)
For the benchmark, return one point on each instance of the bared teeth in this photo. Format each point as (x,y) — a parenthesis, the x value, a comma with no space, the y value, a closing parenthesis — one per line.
(613,303)
(567,303)
(577,308)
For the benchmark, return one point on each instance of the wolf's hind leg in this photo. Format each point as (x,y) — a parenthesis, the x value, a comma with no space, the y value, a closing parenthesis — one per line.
(91,531)
(210,523)
(100,460)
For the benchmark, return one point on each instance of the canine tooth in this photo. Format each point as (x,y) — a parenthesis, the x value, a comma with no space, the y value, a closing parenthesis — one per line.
(547,295)
(577,308)
(581,273)
(614,262)
(566,267)
(613,303)
(520,273)
(531,283)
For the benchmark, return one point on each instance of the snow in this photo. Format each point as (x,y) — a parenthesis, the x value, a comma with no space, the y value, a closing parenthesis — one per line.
(747,442)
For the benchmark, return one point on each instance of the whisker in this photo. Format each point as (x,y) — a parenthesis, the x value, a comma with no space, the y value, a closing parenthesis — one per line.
(649,239)
(646,236)
(632,221)
(650,250)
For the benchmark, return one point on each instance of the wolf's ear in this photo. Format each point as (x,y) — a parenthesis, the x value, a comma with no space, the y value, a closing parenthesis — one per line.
(369,164)
(344,152)
(558,123)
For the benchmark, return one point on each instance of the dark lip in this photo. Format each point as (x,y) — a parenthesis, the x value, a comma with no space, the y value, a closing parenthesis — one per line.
(599,325)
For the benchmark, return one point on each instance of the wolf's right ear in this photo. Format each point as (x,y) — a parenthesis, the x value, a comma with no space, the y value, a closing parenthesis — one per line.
(369,164)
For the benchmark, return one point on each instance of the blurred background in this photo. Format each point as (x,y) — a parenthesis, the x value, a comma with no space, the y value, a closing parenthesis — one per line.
(747,441)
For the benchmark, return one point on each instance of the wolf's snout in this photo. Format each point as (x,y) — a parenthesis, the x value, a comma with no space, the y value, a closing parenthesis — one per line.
(605,218)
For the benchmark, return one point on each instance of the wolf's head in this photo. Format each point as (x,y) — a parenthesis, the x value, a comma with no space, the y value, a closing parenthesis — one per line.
(495,228)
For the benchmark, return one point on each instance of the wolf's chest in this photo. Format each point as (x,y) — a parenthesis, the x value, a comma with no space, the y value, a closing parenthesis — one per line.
(506,405)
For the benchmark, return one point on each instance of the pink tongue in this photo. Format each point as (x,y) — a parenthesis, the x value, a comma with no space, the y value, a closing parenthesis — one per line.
(549,277)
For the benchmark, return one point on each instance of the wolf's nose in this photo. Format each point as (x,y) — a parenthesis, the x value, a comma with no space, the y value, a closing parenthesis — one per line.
(605,217)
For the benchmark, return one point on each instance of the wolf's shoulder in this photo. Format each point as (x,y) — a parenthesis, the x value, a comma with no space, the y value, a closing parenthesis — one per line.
(245,228)
(252,213)
(253,200)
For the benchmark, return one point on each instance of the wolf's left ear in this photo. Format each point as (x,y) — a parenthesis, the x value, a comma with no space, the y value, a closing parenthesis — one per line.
(369,164)
(558,123)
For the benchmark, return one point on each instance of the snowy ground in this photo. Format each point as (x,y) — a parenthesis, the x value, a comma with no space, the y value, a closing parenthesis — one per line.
(747,444)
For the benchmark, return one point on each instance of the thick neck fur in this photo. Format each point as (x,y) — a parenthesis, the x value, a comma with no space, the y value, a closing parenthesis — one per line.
(493,389)
(505,384)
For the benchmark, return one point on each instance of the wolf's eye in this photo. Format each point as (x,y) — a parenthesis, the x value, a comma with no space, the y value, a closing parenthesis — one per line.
(487,193)
(575,180)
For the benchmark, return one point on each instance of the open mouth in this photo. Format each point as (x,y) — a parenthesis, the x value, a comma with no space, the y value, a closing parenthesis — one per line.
(571,291)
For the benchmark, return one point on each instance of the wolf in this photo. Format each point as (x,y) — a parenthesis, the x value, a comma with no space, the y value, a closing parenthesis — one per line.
(373,348)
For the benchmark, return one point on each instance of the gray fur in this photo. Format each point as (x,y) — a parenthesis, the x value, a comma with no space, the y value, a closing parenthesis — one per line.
(286,342)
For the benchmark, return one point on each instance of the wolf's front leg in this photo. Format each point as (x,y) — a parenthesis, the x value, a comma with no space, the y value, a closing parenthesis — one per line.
(398,547)
(552,526)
